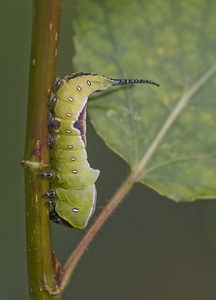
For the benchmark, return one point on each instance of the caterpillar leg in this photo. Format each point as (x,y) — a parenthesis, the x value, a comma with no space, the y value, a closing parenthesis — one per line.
(53,214)
(57,219)
(50,193)
(50,140)
(48,174)
(52,100)
(52,122)
(57,84)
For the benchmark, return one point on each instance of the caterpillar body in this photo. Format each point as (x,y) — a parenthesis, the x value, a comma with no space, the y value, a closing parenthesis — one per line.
(73,194)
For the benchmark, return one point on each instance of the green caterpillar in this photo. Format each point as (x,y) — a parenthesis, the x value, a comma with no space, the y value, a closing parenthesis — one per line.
(73,193)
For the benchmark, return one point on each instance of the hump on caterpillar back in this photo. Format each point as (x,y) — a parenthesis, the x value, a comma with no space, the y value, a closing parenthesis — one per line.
(89,81)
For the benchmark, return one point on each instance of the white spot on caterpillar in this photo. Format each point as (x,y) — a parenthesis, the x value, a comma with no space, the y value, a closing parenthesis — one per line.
(74,171)
(89,82)
(70,99)
(73,158)
(75,210)
(79,88)
(68,131)
(70,146)
(69,115)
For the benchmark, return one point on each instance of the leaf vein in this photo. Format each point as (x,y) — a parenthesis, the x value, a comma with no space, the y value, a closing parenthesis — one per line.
(174,115)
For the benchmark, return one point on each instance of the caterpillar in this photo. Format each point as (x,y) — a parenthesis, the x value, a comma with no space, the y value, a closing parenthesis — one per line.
(72,196)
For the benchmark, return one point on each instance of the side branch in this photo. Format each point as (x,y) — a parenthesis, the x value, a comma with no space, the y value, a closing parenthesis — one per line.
(106,212)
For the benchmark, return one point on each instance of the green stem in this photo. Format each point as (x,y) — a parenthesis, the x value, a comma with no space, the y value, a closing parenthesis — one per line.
(45,33)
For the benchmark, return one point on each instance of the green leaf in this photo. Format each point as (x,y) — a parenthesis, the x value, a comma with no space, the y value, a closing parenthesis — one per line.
(168,133)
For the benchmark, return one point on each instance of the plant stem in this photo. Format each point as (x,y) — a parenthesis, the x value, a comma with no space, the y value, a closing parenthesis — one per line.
(45,32)
(106,212)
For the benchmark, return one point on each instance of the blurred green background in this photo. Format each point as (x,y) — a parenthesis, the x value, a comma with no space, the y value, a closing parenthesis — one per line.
(151,248)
